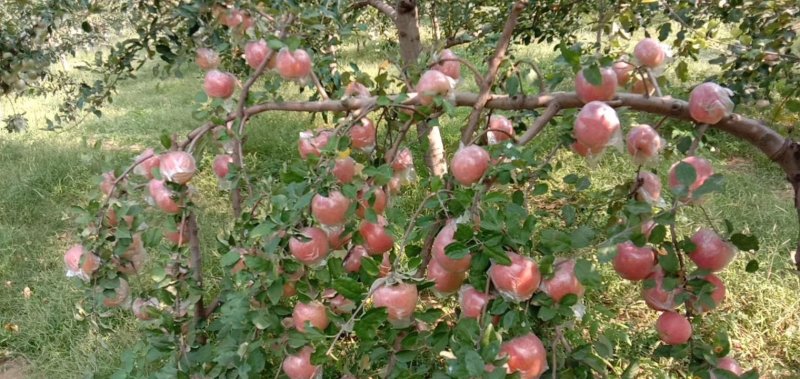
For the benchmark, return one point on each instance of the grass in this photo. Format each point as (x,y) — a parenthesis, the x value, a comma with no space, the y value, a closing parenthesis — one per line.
(45,173)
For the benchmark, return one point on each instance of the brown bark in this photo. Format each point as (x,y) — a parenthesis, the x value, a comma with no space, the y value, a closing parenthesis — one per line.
(407,24)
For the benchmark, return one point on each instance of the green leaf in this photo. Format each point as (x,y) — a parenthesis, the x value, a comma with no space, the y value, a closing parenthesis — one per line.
(586,275)
(793,105)
(349,288)
(456,250)
(430,316)
(714,183)
(497,255)
(512,85)
(745,242)
(474,362)
(369,266)
(657,234)
(632,371)
(686,174)
(592,75)
(582,237)
(669,262)
(682,70)
(165,139)
(230,258)
(86,26)
(752,266)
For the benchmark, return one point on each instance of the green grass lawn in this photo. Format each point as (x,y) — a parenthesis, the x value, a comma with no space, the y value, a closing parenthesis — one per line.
(45,173)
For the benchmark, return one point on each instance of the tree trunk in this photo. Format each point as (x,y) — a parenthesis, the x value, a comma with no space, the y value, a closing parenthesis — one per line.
(436,158)
(407,24)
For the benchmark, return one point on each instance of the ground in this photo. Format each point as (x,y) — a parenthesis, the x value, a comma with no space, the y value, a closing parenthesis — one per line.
(46,173)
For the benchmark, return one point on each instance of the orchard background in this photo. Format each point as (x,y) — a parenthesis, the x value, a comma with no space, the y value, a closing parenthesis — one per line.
(87,87)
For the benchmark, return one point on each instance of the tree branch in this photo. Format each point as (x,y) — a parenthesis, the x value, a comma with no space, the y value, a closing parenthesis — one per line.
(491,74)
(382,7)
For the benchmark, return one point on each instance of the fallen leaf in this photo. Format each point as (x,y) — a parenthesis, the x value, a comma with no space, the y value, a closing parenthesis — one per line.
(26,293)
(11,327)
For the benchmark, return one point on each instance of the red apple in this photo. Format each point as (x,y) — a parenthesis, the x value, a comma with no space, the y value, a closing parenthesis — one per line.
(177,166)
(314,247)
(563,282)
(702,170)
(120,296)
(518,281)
(146,165)
(310,144)
(352,263)
(221,163)
(444,238)
(400,300)
(179,236)
(403,160)
(728,364)
(107,184)
(133,259)
(330,210)
(580,149)
(650,53)
(526,355)
(219,84)
(623,71)
(298,366)
(293,65)
(656,297)
(335,238)
(313,312)
(673,328)
(650,187)
(644,143)
(207,59)
(647,228)
(342,305)
(717,295)
(344,169)
(80,262)
(255,52)
(469,164)
(643,87)
(356,89)
(376,239)
(595,126)
(709,103)
(432,83)
(445,282)
(376,201)
(163,197)
(589,92)
(711,252)
(142,308)
(386,265)
(633,262)
(500,129)
(363,134)
(472,301)
(449,68)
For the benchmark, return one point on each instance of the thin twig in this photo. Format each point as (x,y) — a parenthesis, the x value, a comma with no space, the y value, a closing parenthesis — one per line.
(538,125)
(320,89)
(701,130)
(122,176)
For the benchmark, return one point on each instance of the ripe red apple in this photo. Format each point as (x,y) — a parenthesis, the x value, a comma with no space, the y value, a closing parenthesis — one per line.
(711,252)
(230,17)
(500,129)
(595,126)
(400,300)
(310,144)
(643,87)
(432,83)
(650,188)
(363,134)
(207,59)
(163,197)
(330,210)
(644,143)
(376,239)
(255,52)
(647,228)
(386,265)
(469,164)
(376,201)
(344,169)
(717,295)
(120,296)
(633,262)
(657,297)
(526,355)
(179,236)
(444,238)
(313,312)
(142,308)
(449,68)
(107,184)
(673,328)
(352,263)
(342,305)
(472,301)
(133,259)
(219,84)
(589,92)
(146,165)
(709,103)
(336,239)
(293,65)
(85,269)
(563,282)
(298,366)
(649,52)
(177,166)
(580,149)
(221,163)
(728,364)
(702,170)
(403,160)
(518,281)
(623,71)
(314,247)
(445,282)
(356,89)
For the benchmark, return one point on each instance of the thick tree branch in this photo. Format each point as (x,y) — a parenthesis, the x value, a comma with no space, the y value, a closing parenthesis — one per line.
(382,7)
(467,37)
(491,74)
